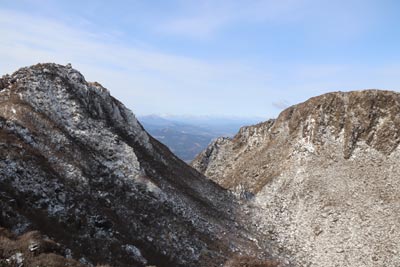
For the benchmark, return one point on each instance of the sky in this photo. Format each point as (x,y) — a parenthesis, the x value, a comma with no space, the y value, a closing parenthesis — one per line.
(248,58)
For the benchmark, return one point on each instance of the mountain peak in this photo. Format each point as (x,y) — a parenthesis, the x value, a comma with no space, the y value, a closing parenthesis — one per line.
(62,93)
(370,116)
(322,179)
(76,165)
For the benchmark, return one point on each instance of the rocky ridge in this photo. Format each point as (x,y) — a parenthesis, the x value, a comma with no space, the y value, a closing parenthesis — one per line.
(322,180)
(76,165)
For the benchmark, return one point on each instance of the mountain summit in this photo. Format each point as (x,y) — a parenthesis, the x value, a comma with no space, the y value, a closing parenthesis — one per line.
(321,180)
(76,165)
(82,183)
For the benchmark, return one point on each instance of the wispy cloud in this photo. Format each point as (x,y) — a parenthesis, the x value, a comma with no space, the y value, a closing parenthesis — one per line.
(281,104)
(205,19)
(152,75)
(194,27)
(143,78)
(331,19)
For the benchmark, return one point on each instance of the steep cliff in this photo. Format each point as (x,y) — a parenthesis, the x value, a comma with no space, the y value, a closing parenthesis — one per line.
(76,165)
(322,180)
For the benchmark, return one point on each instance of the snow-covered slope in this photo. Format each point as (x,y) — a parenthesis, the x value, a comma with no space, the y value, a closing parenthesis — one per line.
(322,180)
(76,165)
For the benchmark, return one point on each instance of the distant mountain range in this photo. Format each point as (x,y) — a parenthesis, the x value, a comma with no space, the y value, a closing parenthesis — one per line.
(187,136)
(83,184)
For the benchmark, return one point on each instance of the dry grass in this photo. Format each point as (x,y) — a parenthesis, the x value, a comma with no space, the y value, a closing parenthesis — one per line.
(246,261)
(47,253)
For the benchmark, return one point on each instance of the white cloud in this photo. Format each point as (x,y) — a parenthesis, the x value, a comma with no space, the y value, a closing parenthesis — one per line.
(194,27)
(318,19)
(281,104)
(147,80)
(206,18)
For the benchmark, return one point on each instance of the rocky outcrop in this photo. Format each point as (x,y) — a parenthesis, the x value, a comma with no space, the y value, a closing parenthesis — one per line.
(322,180)
(76,165)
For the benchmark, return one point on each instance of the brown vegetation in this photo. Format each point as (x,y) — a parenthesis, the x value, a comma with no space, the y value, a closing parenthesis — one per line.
(246,261)
(32,249)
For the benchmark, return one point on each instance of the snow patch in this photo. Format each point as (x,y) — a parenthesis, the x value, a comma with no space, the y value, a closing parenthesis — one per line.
(135,253)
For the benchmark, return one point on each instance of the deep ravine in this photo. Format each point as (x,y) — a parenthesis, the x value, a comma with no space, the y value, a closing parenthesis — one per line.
(77,166)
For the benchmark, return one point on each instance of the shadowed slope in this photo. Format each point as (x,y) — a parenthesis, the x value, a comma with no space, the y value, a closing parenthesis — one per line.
(76,165)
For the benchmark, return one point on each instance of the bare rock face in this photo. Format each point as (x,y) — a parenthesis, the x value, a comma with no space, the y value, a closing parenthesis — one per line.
(76,165)
(322,180)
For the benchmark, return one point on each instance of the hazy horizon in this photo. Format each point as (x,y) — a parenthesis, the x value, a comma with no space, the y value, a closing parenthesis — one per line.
(183,115)
(209,58)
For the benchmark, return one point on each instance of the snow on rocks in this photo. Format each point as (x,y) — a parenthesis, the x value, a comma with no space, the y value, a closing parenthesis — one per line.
(79,166)
(135,253)
(324,179)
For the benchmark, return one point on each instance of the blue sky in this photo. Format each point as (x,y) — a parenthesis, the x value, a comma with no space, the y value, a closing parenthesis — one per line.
(230,58)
